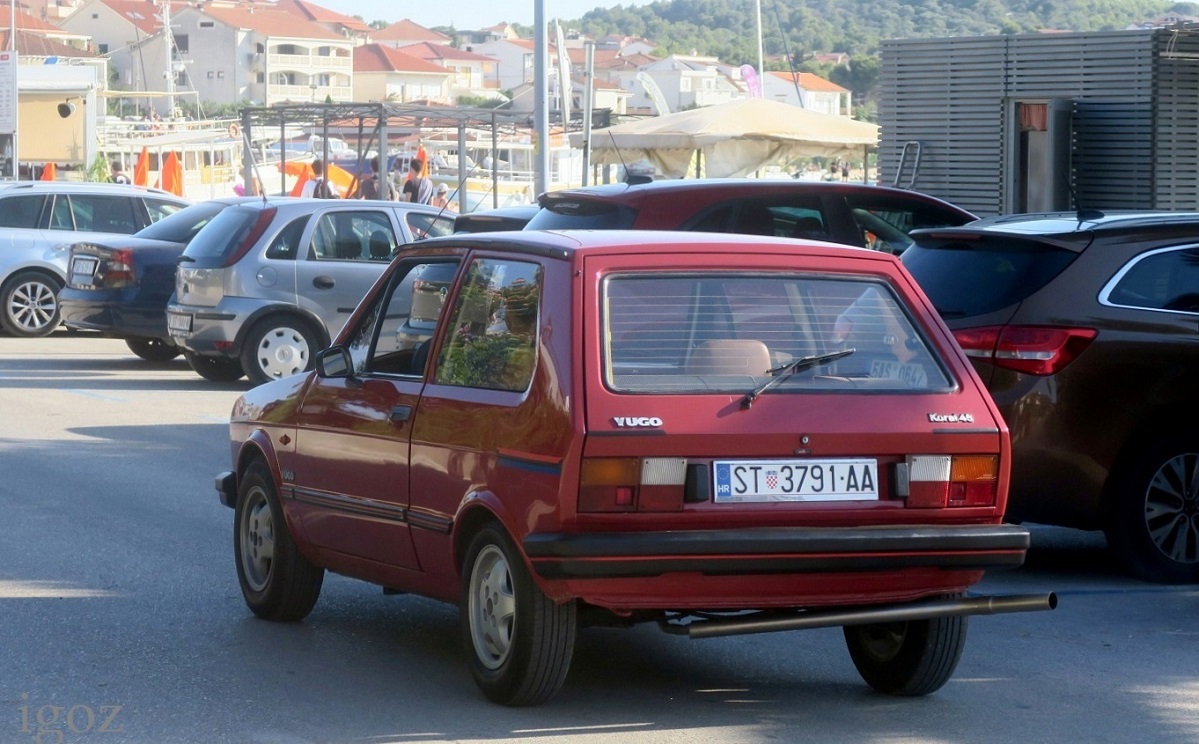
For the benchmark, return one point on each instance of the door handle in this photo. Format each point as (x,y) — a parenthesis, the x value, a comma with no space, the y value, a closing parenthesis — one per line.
(323,282)
(401,414)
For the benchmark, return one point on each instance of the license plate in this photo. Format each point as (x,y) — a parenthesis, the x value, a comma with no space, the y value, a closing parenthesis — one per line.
(181,323)
(83,270)
(795,480)
(912,374)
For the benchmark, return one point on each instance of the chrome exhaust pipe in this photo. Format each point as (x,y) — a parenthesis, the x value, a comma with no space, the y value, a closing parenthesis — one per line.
(919,610)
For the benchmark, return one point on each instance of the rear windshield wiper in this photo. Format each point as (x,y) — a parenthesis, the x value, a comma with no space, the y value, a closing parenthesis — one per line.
(783,371)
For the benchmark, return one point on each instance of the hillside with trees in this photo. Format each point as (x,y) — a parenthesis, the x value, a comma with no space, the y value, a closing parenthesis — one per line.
(793,30)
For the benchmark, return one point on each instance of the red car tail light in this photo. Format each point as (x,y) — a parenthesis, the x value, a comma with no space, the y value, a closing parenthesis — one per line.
(117,270)
(252,235)
(1033,350)
(939,481)
(623,484)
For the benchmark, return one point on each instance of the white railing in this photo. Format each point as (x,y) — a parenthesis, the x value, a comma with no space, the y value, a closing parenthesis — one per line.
(305,62)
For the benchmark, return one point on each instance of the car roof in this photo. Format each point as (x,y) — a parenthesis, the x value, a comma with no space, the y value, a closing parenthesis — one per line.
(1066,229)
(716,188)
(278,201)
(566,243)
(82,187)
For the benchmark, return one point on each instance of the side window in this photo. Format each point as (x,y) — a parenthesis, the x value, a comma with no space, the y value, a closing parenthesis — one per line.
(1161,280)
(99,213)
(491,338)
(886,225)
(346,235)
(424,225)
(286,244)
(21,211)
(157,209)
(395,336)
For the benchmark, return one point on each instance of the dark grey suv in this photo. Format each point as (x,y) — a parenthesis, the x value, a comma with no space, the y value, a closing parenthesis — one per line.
(1085,329)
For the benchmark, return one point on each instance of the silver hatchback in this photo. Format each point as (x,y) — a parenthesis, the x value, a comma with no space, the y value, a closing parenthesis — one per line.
(267,283)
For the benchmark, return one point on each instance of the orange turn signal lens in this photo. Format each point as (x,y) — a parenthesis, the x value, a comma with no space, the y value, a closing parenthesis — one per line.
(974,468)
(610,471)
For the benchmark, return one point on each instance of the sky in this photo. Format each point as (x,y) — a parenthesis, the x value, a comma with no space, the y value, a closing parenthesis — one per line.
(466,14)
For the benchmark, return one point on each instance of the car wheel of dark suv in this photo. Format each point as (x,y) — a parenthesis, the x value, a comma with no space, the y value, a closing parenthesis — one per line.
(1155,524)
(30,304)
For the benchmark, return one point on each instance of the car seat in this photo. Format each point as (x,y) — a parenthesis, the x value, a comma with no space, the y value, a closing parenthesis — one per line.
(380,245)
(730,356)
(809,228)
(755,219)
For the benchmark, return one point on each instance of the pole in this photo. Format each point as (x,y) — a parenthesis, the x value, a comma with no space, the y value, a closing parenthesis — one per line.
(541,106)
(169,37)
(588,106)
(761,72)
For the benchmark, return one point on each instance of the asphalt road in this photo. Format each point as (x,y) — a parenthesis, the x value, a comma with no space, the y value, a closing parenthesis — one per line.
(121,619)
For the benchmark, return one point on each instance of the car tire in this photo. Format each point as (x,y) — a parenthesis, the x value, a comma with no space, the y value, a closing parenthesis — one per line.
(214,369)
(910,658)
(1154,525)
(153,349)
(518,641)
(30,304)
(278,583)
(278,347)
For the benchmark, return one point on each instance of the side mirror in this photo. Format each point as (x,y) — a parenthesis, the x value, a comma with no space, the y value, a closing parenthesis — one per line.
(334,362)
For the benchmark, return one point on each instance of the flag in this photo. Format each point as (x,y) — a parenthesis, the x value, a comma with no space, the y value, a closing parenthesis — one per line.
(339,177)
(50,172)
(172,175)
(424,158)
(141,171)
(302,171)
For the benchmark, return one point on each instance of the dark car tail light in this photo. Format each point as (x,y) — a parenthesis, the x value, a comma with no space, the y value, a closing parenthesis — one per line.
(626,484)
(1033,350)
(252,235)
(939,481)
(116,270)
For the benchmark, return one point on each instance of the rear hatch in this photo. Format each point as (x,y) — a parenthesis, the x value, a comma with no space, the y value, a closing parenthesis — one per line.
(221,243)
(781,389)
(977,282)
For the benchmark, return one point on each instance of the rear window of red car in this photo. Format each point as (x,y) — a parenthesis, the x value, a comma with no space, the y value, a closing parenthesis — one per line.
(730,332)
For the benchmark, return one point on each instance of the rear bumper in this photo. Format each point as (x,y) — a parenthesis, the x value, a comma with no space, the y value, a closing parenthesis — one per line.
(798,550)
(115,317)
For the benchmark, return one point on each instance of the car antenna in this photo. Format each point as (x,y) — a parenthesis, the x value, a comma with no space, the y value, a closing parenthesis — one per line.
(629,178)
(1082,214)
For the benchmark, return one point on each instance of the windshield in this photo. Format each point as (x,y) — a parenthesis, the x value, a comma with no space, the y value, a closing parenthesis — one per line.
(183,225)
(743,333)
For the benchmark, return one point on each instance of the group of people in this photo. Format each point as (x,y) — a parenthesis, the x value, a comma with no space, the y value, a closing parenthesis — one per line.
(417,187)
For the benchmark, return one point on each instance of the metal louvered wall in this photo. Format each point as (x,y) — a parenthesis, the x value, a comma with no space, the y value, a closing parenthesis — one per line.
(1133,98)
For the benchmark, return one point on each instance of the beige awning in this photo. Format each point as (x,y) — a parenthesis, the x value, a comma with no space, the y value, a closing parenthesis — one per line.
(735,138)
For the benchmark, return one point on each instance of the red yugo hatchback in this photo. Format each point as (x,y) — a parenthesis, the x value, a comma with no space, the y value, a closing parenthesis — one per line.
(723,434)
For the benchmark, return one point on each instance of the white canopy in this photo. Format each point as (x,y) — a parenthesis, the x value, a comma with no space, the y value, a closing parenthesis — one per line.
(735,138)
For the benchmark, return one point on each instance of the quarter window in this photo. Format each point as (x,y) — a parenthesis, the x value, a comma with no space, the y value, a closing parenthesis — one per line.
(1161,280)
(491,340)
(21,211)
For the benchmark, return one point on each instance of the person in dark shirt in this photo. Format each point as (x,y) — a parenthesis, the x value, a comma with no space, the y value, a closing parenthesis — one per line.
(118,173)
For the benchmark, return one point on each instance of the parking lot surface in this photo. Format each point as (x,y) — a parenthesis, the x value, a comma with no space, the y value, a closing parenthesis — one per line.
(123,621)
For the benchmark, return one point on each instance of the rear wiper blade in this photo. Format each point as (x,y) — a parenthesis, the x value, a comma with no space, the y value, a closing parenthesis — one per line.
(188,259)
(784,371)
